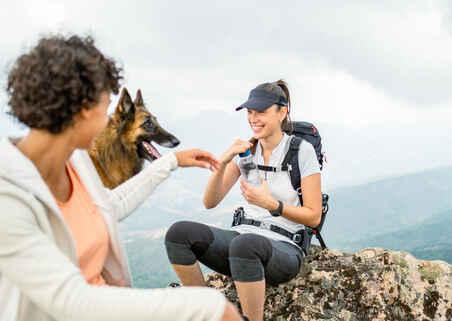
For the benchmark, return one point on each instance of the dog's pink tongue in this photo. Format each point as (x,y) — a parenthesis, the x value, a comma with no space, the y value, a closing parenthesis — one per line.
(151,150)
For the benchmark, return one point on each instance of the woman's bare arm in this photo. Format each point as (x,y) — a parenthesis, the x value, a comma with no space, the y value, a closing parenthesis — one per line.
(220,183)
(224,178)
(309,214)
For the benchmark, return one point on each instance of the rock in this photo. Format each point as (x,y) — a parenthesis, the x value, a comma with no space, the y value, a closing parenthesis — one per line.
(373,284)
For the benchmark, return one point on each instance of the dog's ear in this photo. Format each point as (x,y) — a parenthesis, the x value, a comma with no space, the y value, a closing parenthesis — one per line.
(139,99)
(125,105)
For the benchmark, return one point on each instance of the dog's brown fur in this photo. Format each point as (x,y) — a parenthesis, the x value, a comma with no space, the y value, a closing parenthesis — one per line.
(118,153)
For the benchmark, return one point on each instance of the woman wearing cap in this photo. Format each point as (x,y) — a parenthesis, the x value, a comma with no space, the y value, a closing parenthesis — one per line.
(60,253)
(253,255)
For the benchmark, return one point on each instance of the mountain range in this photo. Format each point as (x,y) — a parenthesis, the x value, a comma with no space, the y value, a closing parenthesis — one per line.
(411,212)
(428,240)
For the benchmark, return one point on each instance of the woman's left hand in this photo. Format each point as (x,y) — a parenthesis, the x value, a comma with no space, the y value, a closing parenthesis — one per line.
(258,195)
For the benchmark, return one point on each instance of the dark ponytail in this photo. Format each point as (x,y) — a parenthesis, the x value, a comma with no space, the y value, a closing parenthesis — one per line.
(287,123)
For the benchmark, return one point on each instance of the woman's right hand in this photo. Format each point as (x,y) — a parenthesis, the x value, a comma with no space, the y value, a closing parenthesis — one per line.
(198,158)
(239,146)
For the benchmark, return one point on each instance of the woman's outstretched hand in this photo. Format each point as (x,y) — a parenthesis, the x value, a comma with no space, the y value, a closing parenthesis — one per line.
(239,146)
(198,158)
(258,195)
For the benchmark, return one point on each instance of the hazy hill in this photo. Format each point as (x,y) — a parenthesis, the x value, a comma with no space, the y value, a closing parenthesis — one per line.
(428,240)
(387,205)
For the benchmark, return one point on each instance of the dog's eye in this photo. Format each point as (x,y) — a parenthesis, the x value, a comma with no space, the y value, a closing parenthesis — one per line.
(148,124)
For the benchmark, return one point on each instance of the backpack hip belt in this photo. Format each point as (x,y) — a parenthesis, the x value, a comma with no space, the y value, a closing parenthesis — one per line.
(300,237)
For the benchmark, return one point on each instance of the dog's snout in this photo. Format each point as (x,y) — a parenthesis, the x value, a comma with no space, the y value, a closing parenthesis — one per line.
(175,141)
(169,142)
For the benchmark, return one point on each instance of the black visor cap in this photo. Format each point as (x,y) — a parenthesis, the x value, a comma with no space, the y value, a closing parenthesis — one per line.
(260,99)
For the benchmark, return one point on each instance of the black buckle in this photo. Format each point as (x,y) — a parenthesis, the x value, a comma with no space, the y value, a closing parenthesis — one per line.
(238,215)
(297,238)
(325,208)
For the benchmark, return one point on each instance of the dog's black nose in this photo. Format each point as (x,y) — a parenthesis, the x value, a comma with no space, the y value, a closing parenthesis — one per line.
(175,141)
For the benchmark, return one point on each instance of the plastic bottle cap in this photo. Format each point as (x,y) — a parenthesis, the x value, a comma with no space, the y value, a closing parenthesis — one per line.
(245,153)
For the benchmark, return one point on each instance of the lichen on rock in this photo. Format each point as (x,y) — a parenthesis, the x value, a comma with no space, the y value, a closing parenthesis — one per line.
(373,284)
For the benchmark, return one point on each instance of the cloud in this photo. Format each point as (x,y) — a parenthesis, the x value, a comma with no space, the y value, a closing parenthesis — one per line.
(45,13)
(401,48)
(319,93)
(446,9)
(368,61)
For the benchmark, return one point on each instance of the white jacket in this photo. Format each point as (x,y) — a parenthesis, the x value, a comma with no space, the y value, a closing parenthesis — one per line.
(40,277)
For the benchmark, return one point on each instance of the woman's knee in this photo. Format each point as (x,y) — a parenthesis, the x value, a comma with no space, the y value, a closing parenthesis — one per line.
(184,232)
(284,264)
(248,255)
(186,241)
(178,232)
(252,247)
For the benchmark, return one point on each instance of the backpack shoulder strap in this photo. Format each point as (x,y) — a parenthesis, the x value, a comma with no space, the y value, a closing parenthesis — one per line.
(290,163)
(294,146)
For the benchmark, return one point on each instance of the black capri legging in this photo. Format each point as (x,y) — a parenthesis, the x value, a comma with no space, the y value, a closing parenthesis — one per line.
(246,257)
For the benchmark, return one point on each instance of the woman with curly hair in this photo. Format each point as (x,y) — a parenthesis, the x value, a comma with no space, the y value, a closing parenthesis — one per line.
(60,254)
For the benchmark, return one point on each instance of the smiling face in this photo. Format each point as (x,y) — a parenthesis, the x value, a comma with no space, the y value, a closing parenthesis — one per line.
(268,122)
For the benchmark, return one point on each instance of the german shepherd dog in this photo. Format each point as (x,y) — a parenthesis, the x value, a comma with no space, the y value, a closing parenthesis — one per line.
(118,153)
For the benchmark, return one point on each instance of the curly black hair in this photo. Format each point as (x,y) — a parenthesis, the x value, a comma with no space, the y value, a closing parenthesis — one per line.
(61,75)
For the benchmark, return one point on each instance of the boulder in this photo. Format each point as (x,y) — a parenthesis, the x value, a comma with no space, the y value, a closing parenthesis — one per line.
(373,284)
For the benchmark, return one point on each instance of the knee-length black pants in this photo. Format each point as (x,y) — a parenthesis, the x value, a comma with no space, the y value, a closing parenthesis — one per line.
(245,257)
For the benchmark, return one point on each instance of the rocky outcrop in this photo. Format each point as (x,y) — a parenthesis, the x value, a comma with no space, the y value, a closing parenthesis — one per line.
(372,284)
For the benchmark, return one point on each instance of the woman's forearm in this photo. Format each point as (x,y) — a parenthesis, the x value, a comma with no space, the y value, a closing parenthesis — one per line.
(214,189)
(221,181)
(132,193)
(310,213)
(302,214)
(298,214)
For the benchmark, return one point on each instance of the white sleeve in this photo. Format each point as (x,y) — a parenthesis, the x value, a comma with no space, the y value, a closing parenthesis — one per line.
(133,192)
(125,198)
(32,262)
(307,160)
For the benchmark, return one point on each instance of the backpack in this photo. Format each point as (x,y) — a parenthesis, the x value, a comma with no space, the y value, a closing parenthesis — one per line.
(304,131)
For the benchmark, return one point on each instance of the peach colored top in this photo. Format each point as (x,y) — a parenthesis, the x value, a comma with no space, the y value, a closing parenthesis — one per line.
(88,228)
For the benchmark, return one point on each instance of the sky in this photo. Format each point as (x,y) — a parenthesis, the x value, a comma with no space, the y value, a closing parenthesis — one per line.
(375,75)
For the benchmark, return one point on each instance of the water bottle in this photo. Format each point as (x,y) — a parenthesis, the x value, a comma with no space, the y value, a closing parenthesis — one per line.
(248,168)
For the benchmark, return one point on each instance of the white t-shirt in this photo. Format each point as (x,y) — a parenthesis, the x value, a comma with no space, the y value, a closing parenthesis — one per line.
(280,188)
